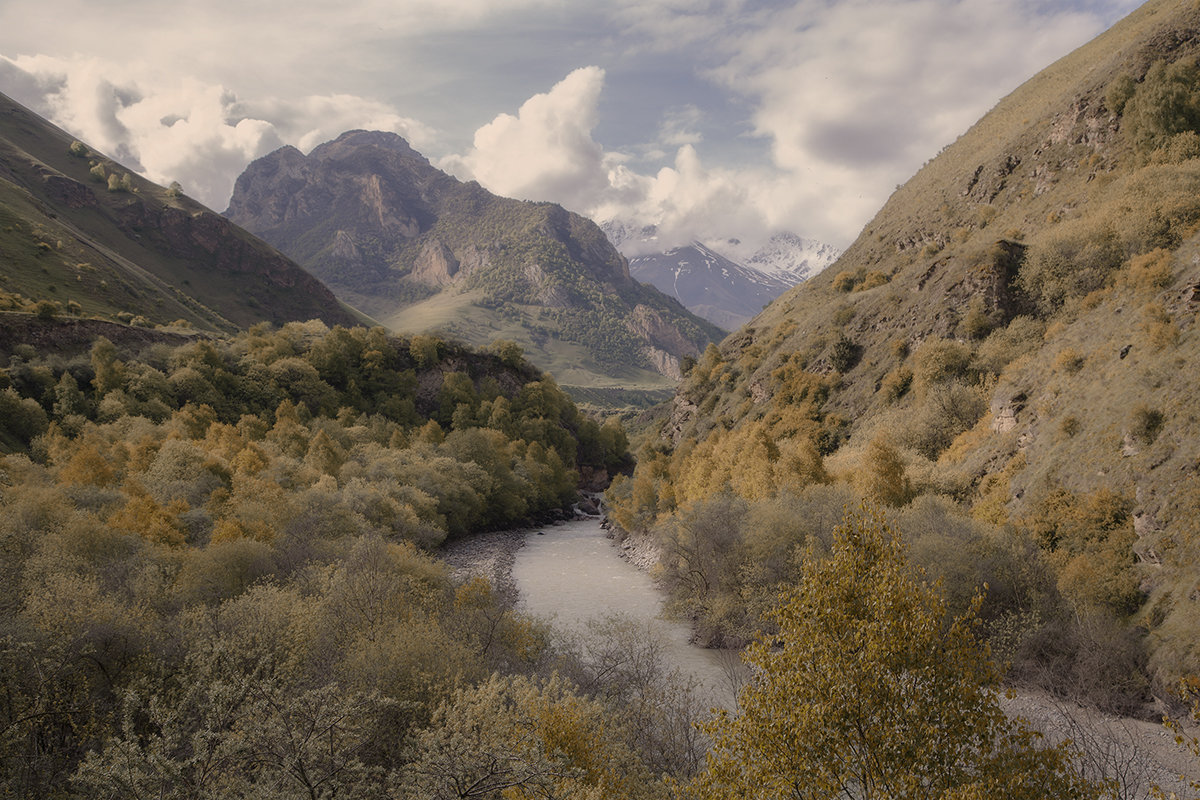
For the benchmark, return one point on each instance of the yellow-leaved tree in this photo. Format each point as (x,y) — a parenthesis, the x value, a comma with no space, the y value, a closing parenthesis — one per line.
(869,690)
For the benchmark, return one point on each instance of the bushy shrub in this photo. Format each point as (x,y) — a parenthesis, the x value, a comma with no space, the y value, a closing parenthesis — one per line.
(883,478)
(943,412)
(1152,270)
(896,383)
(1022,336)
(938,361)
(1145,424)
(1164,105)
(844,354)
(1071,262)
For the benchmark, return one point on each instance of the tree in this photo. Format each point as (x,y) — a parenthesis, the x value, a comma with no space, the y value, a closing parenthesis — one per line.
(46,309)
(883,477)
(1188,690)
(512,737)
(868,690)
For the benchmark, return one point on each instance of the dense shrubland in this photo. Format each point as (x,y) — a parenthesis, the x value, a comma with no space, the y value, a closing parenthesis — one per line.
(1004,361)
(219,582)
(869,685)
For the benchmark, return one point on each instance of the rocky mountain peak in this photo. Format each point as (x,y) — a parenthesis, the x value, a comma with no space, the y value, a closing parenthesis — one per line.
(378,223)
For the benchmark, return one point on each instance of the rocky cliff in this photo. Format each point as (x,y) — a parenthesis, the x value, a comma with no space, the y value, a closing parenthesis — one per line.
(423,251)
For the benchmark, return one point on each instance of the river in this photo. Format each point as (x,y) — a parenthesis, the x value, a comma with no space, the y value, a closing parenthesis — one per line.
(571,573)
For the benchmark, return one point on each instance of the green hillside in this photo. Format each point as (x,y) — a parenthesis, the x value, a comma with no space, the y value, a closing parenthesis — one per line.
(89,238)
(214,549)
(1006,358)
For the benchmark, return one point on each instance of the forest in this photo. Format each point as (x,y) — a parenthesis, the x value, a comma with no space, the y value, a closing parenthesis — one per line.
(223,572)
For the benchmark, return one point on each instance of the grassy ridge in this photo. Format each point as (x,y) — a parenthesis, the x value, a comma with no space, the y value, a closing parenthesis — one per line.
(1005,352)
(78,228)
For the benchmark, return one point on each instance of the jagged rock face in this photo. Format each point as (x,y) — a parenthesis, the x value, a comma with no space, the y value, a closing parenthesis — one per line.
(383,227)
(366,194)
(436,266)
(650,325)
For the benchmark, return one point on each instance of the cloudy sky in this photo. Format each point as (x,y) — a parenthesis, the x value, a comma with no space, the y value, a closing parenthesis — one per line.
(711,118)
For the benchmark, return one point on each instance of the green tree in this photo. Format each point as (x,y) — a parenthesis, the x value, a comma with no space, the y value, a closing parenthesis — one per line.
(868,690)
(68,398)
(109,371)
(425,350)
(1164,105)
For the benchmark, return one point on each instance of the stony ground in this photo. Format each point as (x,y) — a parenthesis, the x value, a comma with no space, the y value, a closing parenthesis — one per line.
(1138,753)
(488,555)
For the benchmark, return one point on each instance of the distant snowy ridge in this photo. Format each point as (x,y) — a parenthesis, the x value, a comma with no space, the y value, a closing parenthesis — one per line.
(792,258)
(710,280)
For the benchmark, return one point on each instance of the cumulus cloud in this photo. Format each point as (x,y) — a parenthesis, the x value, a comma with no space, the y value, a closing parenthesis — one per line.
(546,151)
(842,99)
(199,134)
(853,96)
(849,98)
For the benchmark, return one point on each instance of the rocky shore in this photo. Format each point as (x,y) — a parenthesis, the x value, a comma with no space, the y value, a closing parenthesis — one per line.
(487,555)
(638,549)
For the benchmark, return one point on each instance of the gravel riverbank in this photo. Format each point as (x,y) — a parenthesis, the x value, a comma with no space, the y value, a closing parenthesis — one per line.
(487,555)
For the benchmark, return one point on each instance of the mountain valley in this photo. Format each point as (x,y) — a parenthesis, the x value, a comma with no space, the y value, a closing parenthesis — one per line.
(423,252)
(923,491)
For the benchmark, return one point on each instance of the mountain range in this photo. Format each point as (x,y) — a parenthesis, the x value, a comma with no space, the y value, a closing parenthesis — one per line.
(714,284)
(423,252)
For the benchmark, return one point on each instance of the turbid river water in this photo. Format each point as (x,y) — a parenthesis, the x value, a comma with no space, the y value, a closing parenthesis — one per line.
(572,573)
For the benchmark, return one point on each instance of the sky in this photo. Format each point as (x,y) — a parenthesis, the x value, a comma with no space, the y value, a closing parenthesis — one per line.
(712,119)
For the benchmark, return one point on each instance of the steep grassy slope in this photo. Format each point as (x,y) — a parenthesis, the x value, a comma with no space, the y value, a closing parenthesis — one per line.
(425,252)
(1014,332)
(79,229)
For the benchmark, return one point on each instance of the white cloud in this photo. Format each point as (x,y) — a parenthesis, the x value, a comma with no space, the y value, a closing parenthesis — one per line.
(680,126)
(198,134)
(545,152)
(846,97)
(853,96)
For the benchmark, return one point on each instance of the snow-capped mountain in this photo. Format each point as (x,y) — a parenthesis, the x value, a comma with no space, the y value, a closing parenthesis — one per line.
(792,258)
(708,284)
(711,281)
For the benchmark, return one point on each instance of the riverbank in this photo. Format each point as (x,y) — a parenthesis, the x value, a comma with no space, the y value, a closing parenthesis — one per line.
(487,555)
(1140,753)
(638,549)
